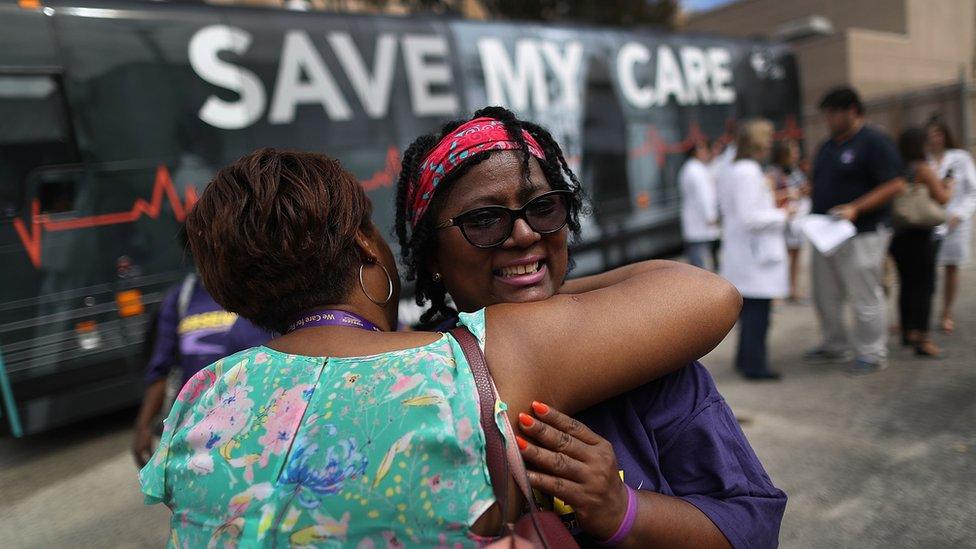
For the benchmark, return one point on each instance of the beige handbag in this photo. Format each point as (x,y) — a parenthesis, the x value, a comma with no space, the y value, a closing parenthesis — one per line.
(914,208)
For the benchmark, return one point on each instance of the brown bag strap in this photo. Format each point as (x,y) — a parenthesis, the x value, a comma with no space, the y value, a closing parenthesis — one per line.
(495,446)
(499,456)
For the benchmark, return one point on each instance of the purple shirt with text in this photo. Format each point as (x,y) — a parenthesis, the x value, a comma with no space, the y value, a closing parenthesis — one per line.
(204,334)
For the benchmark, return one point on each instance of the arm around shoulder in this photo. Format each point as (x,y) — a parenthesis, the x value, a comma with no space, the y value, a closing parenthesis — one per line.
(574,351)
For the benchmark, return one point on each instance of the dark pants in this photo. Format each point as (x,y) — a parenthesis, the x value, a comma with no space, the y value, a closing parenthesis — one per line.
(914,252)
(696,252)
(753,327)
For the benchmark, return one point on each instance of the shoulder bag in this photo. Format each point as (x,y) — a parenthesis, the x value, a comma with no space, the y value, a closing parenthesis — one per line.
(915,208)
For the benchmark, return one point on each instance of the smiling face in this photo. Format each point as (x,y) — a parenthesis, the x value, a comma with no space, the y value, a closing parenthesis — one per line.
(527,266)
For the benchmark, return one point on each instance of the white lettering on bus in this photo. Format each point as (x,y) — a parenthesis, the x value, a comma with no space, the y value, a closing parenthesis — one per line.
(630,55)
(719,64)
(304,78)
(669,80)
(203,50)
(566,66)
(373,89)
(299,56)
(702,77)
(424,73)
(514,83)
(696,74)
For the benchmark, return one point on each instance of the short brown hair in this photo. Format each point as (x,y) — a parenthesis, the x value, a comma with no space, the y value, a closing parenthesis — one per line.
(274,234)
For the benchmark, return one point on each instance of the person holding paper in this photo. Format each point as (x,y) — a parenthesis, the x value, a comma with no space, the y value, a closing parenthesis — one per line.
(753,245)
(826,232)
(856,174)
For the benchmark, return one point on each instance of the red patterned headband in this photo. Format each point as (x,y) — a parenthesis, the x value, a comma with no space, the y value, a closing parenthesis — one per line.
(480,134)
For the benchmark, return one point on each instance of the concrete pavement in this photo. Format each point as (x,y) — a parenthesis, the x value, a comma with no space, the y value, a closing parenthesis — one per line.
(885,460)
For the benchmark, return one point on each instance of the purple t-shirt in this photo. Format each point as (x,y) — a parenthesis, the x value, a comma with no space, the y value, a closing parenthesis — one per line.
(200,337)
(678,437)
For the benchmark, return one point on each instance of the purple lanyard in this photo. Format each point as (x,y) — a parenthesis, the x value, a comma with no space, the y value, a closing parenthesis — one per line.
(331,317)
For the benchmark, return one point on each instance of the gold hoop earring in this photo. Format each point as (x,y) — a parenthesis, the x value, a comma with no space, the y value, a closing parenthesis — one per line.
(436,277)
(389,282)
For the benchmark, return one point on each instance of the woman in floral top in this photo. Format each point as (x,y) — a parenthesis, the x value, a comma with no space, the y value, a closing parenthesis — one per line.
(341,432)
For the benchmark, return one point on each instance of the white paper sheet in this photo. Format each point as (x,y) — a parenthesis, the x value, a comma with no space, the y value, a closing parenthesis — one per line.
(826,232)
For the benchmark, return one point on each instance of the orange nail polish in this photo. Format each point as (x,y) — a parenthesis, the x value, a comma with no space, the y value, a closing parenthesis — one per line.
(540,408)
(526,419)
(522,444)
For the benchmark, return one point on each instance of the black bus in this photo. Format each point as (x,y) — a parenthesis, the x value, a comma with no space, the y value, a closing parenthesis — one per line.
(113,116)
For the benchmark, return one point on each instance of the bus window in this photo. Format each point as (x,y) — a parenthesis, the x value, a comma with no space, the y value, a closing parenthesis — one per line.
(35,132)
(605,145)
(56,191)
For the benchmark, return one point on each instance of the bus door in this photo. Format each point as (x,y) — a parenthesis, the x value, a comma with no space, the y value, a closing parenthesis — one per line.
(39,178)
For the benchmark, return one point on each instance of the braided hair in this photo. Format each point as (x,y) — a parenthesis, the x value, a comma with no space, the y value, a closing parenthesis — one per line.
(418,245)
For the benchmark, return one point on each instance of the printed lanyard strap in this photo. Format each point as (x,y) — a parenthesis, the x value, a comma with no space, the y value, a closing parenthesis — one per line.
(331,317)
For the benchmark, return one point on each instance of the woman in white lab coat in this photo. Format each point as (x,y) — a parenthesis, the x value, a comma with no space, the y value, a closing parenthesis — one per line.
(957,164)
(699,208)
(753,245)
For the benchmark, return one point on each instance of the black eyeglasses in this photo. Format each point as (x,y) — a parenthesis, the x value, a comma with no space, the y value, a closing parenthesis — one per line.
(489,226)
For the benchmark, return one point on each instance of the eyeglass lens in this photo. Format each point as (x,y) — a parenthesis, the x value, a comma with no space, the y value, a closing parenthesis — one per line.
(492,225)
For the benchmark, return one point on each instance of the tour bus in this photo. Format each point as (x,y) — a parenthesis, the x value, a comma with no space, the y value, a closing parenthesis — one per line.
(115,115)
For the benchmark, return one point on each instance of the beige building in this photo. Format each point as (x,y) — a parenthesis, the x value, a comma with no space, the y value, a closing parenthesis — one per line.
(906,57)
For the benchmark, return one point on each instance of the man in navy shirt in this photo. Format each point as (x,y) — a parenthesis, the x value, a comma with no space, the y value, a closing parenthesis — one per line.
(857,172)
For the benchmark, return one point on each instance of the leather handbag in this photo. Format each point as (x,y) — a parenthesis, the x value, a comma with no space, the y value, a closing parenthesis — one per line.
(914,208)
(536,528)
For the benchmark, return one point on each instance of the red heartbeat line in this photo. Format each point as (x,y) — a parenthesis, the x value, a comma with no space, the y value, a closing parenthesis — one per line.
(30,233)
(656,145)
(388,175)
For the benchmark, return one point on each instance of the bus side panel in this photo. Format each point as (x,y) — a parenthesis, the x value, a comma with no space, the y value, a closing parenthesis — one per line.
(114,233)
(26,38)
(624,119)
(367,127)
(156,98)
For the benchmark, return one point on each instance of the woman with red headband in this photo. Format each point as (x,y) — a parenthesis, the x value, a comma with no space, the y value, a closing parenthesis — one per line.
(344,432)
(487,208)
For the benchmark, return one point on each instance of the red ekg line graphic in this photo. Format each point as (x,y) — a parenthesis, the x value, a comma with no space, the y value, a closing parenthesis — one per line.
(30,235)
(388,175)
(791,130)
(656,145)
(31,232)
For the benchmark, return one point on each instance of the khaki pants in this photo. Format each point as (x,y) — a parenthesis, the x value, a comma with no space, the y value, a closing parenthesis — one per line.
(853,273)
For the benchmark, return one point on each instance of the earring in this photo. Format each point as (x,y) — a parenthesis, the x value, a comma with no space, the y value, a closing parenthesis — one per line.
(389,282)
(436,277)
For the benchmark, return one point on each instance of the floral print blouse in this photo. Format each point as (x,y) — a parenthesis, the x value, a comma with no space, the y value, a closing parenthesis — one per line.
(264,448)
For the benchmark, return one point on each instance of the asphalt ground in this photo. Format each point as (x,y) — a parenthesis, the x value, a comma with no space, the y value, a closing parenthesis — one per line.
(884,460)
